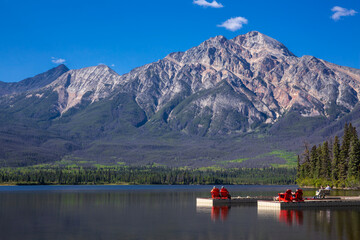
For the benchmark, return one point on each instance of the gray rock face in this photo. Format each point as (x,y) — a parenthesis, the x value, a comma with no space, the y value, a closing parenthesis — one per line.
(263,80)
(95,82)
(220,87)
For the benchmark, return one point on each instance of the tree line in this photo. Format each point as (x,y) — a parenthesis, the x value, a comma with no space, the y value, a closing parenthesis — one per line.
(332,163)
(144,175)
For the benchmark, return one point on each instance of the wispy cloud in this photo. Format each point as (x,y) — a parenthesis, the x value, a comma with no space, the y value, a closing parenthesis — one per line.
(234,24)
(205,3)
(58,60)
(342,12)
(112,65)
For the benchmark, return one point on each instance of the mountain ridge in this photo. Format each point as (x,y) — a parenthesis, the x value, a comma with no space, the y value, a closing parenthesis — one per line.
(33,83)
(247,88)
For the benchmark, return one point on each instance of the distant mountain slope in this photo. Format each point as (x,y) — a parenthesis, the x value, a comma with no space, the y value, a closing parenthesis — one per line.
(39,81)
(222,100)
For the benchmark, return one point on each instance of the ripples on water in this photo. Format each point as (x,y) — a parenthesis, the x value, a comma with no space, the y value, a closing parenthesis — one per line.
(161,212)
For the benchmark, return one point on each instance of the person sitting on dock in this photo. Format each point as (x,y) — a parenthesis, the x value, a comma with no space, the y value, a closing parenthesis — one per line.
(298,195)
(328,187)
(285,197)
(288,195)
(224,193)
(322,193)
(215,193)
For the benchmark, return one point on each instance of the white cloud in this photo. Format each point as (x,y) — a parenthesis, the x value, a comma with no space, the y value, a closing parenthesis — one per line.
(341,12)
(234,24)
(205,3)
(58,60)
(99,64)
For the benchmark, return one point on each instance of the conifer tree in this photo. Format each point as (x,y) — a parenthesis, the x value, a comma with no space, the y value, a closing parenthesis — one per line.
(344,154)
(352,132)
(314,160)
(298,168)
(306,166)
(354,158)
(319,162)
(336,159)
(325,167)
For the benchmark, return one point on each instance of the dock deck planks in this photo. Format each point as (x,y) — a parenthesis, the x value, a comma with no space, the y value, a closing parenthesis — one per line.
(330,202)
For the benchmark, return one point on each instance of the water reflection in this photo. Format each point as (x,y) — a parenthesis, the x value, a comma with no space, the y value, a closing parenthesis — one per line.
(162,214)
(219,213)
(291,216)
(215,213)
(335,223)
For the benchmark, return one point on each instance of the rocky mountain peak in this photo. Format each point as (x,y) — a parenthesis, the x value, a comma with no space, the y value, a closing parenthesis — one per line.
(96,82)
(225,85)
(61,67)
(256,42)
(221,53)
(33,83)
(251,83)
(251,75)
(216,40)
(102,67)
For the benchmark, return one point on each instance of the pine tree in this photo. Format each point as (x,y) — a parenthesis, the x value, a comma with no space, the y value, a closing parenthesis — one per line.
(336,159)
(306,166)
(352,131)
(344,153)
(354,158)
(325,167)
(298,174)
(319,171)
(314,161)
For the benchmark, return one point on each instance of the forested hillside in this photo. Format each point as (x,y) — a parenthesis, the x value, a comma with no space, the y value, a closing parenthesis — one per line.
(144,175)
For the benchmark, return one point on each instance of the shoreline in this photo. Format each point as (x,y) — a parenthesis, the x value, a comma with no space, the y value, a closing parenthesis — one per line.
(134,184)
(127,184)
(50,184)
(333,188)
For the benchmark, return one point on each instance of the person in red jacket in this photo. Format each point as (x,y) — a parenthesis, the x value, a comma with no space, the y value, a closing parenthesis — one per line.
(215,193)
(298,195)
(224,193)
(288,196)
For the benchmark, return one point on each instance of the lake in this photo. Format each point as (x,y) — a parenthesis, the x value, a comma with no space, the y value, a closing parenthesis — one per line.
(161,212)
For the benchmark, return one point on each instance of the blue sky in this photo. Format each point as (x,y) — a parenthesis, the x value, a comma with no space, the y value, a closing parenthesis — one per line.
(127,34)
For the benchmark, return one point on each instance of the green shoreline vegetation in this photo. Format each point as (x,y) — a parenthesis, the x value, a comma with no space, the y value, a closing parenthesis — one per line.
(121,175)
(332,163)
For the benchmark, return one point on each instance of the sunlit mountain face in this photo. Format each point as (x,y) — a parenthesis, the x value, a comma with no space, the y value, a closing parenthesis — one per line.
(224,100)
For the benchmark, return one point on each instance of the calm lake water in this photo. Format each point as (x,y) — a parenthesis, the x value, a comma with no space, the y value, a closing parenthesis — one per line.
(161,212)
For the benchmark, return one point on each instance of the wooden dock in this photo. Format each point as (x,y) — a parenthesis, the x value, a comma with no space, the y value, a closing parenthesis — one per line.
(313,203)
(209,202)
(269,203)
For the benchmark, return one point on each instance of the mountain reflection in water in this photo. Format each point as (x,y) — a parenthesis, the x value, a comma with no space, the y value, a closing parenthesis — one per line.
(337,223)
(159,212)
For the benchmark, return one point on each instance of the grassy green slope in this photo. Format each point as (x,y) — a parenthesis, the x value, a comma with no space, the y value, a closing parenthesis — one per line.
(117,130)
